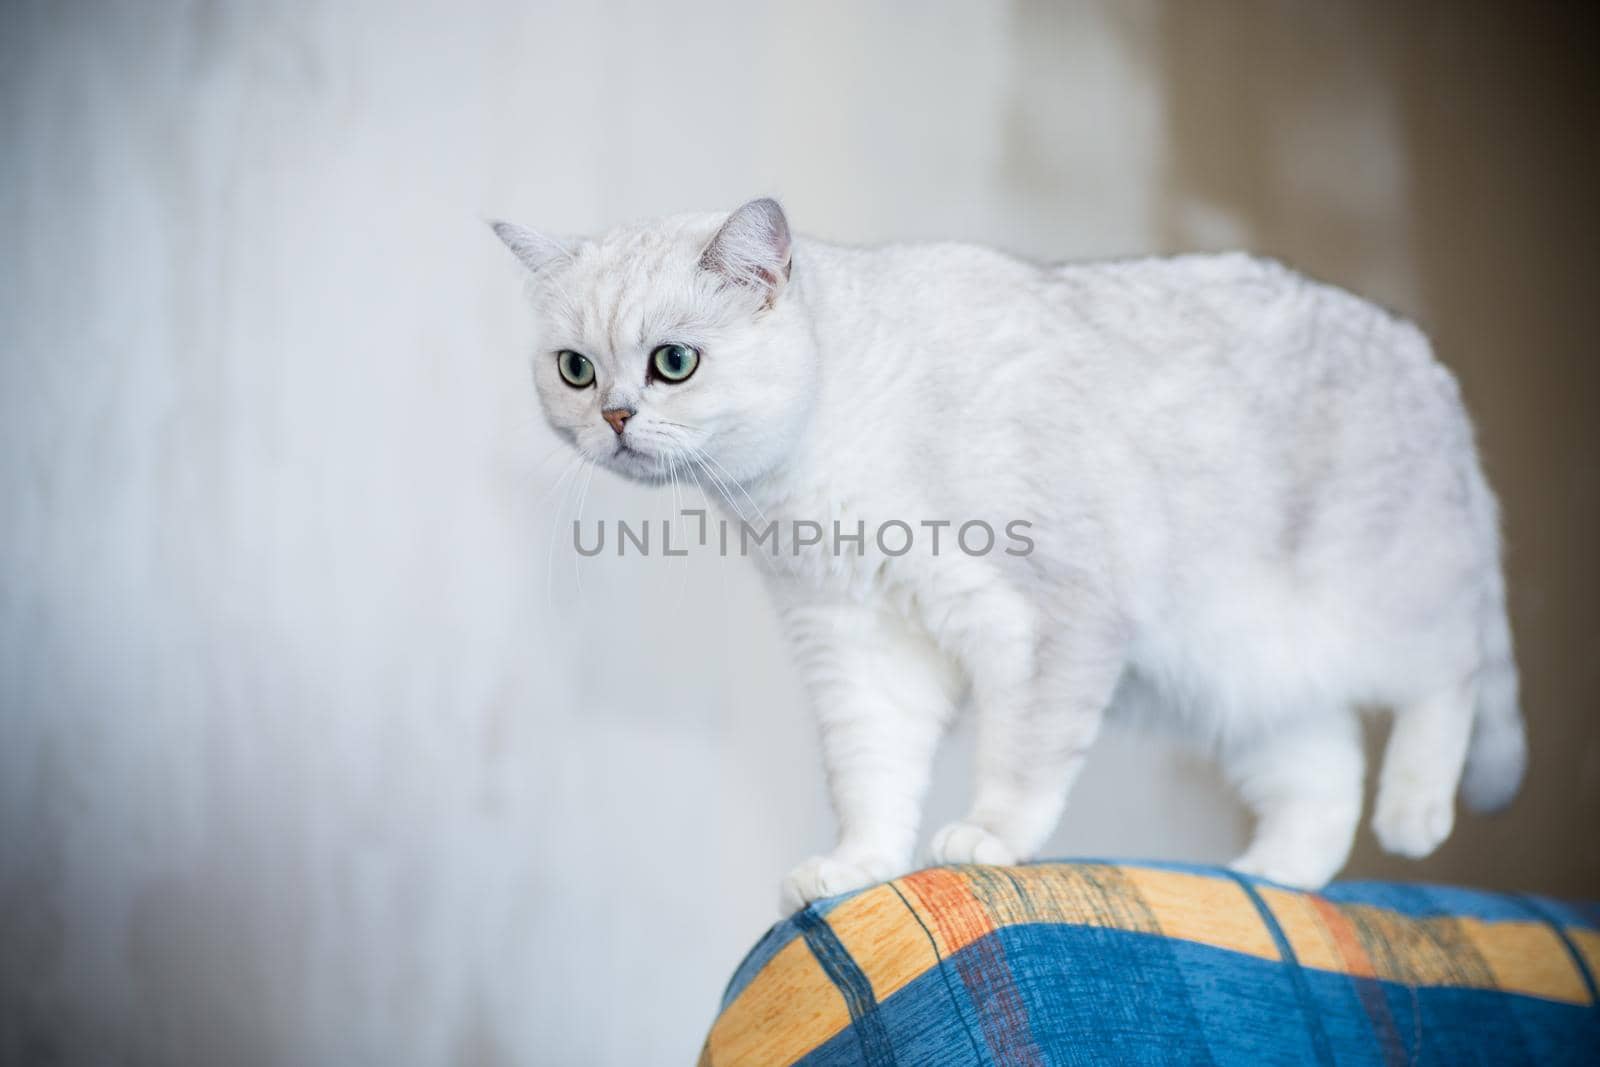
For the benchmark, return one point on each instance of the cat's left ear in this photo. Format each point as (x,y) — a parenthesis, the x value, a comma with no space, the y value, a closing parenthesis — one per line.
(752,249)
(534,249)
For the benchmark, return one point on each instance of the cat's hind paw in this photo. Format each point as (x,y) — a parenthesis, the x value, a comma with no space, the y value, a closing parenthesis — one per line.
(819,877)
(963,842)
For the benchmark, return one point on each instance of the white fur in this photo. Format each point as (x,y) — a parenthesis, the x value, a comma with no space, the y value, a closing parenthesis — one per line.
(1255,499)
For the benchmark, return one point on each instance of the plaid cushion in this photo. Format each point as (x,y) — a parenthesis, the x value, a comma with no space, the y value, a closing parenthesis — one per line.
(1161,963)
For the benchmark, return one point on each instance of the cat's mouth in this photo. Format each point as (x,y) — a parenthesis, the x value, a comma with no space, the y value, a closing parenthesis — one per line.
(629,459)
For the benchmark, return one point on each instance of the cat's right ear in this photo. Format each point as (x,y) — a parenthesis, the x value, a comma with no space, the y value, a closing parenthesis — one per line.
(534,249)
(752,249)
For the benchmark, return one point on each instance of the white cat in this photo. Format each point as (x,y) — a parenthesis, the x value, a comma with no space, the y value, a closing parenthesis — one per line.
(1255,504)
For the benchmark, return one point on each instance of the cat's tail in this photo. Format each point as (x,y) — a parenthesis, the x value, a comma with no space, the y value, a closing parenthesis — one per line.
(1498,753)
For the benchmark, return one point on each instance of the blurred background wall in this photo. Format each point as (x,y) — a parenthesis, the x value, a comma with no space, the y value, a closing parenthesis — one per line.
(318,745)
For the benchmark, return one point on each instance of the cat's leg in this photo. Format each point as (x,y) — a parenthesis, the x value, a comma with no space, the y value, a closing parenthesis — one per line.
(883,695)
(1422,763)
(1040,703)
(1303,782)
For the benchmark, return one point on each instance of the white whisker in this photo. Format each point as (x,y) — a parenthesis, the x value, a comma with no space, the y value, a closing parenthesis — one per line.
(573,463)
(721,489)
(713,460)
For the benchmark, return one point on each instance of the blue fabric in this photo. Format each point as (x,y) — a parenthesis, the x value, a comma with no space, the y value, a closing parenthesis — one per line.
(1093,963)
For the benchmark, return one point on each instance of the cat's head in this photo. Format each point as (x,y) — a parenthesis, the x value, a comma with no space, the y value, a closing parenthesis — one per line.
(678,344)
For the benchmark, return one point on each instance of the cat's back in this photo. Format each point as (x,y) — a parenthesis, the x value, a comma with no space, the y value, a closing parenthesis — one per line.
(1234,329)
(1238,314)
(1202,353)
(1228,305)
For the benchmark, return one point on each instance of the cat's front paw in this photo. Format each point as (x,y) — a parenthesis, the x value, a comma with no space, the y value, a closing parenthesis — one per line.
(825,876)
(1300,871)
(1413,822)
(964,842)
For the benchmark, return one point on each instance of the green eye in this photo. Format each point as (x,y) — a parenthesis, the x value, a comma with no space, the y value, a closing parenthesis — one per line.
(674,363)
(575,368)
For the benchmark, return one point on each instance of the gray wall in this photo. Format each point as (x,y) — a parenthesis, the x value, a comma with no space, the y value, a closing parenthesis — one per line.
(318,745)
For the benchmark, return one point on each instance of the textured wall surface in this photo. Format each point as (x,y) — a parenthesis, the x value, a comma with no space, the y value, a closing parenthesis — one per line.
(318,745)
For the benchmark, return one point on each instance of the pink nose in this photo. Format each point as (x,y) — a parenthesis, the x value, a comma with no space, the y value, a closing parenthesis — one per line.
(616,417)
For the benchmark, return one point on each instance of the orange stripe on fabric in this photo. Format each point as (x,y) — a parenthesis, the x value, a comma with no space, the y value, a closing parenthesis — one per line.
(1083,894)
(1527,958)
(962,918)
(947,907)
(789,1008)
(885,942)
(1206,910)
(1426,951)
(1587,942)
(1191,907)
(1353,958)
(1357,963)
(1303,927)
(1435,951)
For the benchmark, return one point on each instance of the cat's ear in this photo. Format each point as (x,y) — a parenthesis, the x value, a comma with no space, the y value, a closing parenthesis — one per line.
(534,249)
(752,249)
